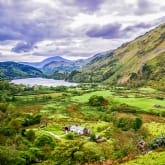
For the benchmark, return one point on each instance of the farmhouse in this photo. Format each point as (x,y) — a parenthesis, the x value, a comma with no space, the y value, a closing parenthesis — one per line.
(77,129)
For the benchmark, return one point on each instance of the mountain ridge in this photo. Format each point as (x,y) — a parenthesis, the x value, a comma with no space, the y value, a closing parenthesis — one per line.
(118,66)
(12,70)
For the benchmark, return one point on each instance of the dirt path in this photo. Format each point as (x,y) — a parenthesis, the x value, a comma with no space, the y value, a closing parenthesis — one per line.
(53,134)
(50,133)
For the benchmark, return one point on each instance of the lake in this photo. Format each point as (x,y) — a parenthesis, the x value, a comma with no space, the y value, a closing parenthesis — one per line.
(43,81)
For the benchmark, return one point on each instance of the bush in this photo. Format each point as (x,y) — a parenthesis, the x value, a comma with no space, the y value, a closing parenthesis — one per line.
(36,155)
(70,136)
(8,156)
(127,123)
(158,142)
(97,101)
(136,123)
(3,107)
(44,140)
(7,131)
(30,120)
(124,108)
(30,135)
(16,124)
(93,137)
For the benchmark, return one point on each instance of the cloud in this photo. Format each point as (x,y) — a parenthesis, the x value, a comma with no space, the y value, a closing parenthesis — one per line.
(115,31)
(35,29)
(31,23)
(22,47)
(146,7)
(88,5)
(106,31)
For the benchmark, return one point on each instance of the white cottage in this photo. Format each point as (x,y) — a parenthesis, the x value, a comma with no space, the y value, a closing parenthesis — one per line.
(77,129)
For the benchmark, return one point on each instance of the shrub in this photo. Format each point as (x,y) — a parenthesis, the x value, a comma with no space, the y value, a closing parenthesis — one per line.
(7,131)
(30,120)
(136,123)
(70,136)
(97,101)
(66,153)
(124,108)
(128,123)
(30,135)
(8,156)
(3,107)
(15,123)
(117,154)
(36,154)
(158,142)
(44,140)
(93,137)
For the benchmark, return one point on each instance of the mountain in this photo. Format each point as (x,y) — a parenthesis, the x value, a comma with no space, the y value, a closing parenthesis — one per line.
(54,66)
(46,61)
(130,63)
(64,65)
(13,70)
(57,64)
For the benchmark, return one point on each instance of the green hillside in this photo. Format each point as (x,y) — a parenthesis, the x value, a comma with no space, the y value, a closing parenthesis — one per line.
(128,63)
(13,70)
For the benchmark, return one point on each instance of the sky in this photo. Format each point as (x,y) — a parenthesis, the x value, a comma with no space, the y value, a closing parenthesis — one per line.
(32,30)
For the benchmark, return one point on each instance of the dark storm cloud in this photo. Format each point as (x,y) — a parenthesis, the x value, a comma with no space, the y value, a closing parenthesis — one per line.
(115,31)
(22,47)
(107,31)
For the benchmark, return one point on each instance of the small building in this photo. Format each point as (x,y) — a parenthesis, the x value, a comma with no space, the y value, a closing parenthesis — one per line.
(77,129)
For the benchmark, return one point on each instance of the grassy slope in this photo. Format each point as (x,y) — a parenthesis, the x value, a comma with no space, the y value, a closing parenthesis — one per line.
(127,59)
(13,70)
(144,103)
(155,158)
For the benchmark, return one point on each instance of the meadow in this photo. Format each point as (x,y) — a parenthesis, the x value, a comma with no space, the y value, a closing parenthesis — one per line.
(33,121)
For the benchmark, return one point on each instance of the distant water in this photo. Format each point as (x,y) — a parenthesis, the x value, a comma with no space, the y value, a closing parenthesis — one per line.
(43,81)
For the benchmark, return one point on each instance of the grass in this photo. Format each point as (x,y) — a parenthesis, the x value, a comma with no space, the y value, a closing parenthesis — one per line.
(147,89)
(142,102)
(145,104)
(155,158)
(85,97)
(71,108)
(155,128)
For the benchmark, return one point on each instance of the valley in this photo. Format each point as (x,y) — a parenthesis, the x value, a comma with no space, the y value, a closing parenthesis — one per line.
(108,109)
(33,121)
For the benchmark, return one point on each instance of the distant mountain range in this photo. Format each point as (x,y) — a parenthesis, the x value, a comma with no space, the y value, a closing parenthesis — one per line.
(137,62)
(46,62)
(57,64)
(54,67)
(13,70)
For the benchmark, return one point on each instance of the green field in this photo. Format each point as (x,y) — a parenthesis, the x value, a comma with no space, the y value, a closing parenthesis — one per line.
(143,103)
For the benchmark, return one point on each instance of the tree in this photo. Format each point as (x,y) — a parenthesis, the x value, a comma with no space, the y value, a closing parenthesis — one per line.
(30,135)
(16,124)
(9,156)
(137,123)
(44,140)
(68,153)
(97,101)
